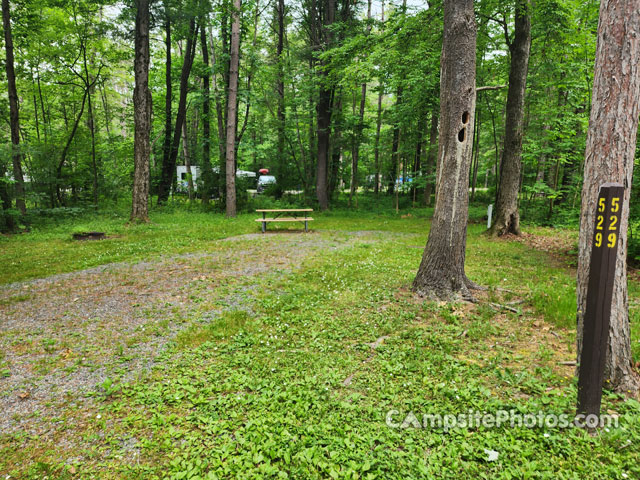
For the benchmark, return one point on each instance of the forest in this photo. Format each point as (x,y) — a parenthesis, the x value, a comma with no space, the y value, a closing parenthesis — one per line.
(332,102)
(455,296)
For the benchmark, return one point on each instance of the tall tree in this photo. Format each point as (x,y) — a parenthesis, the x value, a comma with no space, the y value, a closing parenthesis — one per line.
(376,187)
(357,138)
(8,223)
(232,109)
(395,145)
(441,273)
(169,167)
(14,115)
(168,97)
(507,216)
(609,157)
(281,111)
(376,148)
(207,170)
(323,17)
(142,115)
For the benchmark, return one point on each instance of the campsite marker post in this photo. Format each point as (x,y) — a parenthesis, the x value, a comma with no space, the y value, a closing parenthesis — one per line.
(602,268)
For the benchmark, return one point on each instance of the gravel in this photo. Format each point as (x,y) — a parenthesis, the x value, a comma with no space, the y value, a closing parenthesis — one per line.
(63,336)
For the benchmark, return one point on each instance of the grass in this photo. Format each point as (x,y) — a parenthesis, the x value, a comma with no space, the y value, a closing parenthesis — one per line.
(226,325)
(262,392)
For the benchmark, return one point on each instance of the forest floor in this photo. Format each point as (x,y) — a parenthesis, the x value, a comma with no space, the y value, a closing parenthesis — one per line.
(168,351)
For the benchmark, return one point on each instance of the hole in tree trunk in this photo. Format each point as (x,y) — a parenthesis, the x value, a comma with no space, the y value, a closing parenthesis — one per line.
(465,118)
(462,134)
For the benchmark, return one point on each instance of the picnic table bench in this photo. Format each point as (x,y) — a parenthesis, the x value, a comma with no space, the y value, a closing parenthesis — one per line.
(277,216)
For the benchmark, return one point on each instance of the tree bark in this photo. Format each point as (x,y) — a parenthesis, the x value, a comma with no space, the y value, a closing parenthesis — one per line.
(168,98)
(475,154)
(609,157)
(14,115)
(187,160)
(324,39)
(441,273)
(507,218)
(8,224)
(207,170)
(376,154)
(323,135)
(89,85)
(142,105)
(359,127)
(281,112)
(336,146)
(232,110)
(65,150)
(169,168)
(395,145)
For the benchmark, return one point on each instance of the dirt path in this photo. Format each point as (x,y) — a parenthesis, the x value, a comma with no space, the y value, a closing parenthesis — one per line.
(63,336)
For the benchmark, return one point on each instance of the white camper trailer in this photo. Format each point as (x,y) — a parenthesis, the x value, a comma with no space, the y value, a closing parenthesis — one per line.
(183,180)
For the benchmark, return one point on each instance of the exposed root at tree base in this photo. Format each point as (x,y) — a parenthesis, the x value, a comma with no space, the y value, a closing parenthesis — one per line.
(629,385)
(443,290)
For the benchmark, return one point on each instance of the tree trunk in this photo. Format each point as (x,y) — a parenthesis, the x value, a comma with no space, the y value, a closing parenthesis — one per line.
(395,161)
(441,273)
(142,105)
(13,110)
(475,155)
(359,127)
(8,224)
(220,108)
(168,99)
(92,126)
(65,150)
(207,170)
(417,163)
(324,125)
(323,38)
(169,168)
(187,160)
(336,146)
(355,154)
(281,113)
(376,187)
(507,218)
(232,110)
(431,156)
(609,157)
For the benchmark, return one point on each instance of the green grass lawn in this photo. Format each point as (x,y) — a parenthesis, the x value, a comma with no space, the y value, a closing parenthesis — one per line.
(288,385)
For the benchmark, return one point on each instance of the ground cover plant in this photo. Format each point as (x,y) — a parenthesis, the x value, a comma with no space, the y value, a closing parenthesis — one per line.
(281,355)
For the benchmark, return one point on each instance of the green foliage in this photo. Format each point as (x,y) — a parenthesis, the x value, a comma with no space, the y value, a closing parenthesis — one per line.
(263,394)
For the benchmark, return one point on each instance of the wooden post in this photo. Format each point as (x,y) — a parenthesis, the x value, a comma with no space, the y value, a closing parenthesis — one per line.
(599,293)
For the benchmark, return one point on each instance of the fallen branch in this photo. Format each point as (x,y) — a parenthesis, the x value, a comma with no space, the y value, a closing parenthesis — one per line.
(490,87)
(498,306)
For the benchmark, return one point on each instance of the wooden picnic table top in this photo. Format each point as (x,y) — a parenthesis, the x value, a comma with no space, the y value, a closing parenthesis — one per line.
(286,210)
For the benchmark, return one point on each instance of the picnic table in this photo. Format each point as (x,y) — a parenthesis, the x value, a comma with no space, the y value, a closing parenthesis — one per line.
(296,215)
